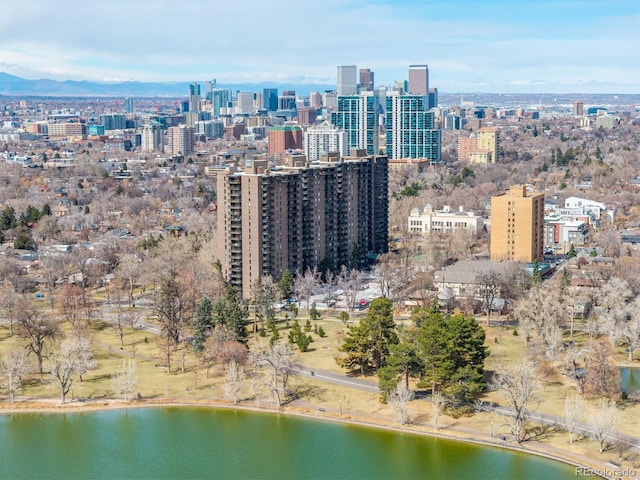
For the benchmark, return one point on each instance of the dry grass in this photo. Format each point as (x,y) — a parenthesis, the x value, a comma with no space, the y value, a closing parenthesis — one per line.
(156,384)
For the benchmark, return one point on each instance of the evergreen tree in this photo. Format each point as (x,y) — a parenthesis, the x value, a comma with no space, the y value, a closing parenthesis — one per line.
(8,219)
(368,342)
(229,312)
(453,351)
(202,323)
(405,361)
(286,284)
(295,332)
(387,381)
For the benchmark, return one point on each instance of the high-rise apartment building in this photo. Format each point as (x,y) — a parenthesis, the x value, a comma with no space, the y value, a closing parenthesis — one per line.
(194,97)
(324,139)
(180,140)
(294,218)
(283,138)
(220,99)
(517,225)
(578,108)
(151,140)
(366,80)
(210,86)
(315,99)
(347,80)
(410,128)
(358,116)
(128,105)
(418,80)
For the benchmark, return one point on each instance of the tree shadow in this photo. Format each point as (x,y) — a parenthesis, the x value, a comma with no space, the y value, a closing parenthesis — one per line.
(541,432)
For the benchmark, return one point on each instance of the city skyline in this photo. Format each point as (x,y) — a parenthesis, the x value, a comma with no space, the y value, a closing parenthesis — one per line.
(469,46)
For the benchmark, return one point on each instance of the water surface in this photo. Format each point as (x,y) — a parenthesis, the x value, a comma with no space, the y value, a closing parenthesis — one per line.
(192,443)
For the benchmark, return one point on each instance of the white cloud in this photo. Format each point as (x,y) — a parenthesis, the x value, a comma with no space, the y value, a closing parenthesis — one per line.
(281,40)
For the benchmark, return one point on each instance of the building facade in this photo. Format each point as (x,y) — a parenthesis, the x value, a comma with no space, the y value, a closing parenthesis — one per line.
(283,138)
(366,80)
(324,139)
(358,116)
(517,224)
(446,220)
(194,97)
(294,218)
(152,138)
(347,80)
(481,147)
(410,128)
(418,80)
(180,140)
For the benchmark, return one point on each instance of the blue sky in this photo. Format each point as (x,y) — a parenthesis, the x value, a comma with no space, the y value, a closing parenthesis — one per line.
(470,46)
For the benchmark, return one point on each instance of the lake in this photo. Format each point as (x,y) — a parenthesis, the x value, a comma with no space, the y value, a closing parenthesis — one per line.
(629,379)
(191,443)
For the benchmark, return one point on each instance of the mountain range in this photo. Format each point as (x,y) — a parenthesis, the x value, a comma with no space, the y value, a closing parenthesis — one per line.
(12,85)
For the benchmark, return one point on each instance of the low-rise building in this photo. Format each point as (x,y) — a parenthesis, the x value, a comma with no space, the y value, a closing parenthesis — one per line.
(446,220)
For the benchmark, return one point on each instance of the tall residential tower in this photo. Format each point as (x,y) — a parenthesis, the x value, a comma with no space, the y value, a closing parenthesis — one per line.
(294,218)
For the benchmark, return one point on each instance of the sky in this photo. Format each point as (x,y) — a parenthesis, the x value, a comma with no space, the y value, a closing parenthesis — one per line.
(497,46)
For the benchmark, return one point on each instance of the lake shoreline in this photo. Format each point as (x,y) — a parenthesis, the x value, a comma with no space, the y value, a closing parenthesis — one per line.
(473,436)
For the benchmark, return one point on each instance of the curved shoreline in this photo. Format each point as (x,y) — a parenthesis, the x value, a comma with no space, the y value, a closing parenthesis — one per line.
(544,451)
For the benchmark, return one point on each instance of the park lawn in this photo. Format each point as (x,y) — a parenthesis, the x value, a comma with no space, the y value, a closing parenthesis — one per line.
(553,390)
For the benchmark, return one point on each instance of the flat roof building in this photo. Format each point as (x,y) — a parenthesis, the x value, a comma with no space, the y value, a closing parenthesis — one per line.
(295,217)
(517,225)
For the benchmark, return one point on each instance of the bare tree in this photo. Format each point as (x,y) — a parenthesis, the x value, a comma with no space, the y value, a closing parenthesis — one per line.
(540,310)
(213,346)
(574,367)
(350,281)
(280,364)
(176,305)
(51,267)
(518,385)
(393,276)
(603,418)
(399,399)
(304,284)
(488,286)
(573,407)
(438,402)
(13,367)
(624,326)
(327,287)
(129,272)
(612,294)
(37,329)
(10,304)
(234,380)
(126,379)
(71,304)
(602,376)
(73,358)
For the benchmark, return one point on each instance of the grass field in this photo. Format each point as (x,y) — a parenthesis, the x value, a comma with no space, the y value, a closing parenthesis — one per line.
(192,383)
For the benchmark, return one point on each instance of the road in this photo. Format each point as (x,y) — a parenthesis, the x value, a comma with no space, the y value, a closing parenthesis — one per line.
(338,379)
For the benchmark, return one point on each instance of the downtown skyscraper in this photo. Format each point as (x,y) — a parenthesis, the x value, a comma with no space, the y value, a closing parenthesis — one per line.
(347,80)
